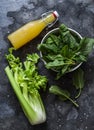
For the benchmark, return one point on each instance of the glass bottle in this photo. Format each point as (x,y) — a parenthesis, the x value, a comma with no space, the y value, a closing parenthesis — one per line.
(32,29)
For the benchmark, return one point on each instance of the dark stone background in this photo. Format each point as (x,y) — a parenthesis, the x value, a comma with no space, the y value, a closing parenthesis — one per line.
(76,14)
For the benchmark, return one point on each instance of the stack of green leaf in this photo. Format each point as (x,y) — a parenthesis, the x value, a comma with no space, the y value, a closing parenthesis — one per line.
(64,50)
(26,83)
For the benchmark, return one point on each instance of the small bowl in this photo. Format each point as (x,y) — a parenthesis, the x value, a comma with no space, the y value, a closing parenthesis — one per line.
(55,31)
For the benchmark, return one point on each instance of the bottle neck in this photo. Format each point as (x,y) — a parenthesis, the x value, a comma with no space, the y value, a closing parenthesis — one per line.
(49,19)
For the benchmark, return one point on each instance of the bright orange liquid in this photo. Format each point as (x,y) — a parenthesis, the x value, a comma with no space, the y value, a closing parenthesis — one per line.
(29,31)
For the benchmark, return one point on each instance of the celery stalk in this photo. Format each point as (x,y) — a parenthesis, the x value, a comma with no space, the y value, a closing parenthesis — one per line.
(29,112)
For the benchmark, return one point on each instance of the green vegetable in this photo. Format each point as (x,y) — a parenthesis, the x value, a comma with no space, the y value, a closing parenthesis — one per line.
(64,50)
(26,83)
(78,80)
(86,46)
(63,94)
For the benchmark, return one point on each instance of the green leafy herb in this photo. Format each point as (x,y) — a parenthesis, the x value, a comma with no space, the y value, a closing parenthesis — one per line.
(63,49)
(86,46)
(26,83)
(78,80)
(63,94)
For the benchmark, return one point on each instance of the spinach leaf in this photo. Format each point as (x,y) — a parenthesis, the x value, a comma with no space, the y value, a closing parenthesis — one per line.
(63,94)
(55,63)
(62,71)
(67,37)
(65,51)
(48,48)
(78,80)
(86,46)
(52,57)
(55,39)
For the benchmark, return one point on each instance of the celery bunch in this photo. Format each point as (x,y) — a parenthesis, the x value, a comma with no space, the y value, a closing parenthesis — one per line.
(26,83)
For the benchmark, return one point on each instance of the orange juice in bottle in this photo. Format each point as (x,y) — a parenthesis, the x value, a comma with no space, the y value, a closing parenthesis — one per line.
(32,29)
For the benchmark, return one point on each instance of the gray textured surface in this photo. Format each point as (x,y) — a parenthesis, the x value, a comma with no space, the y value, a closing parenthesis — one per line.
(76,14)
